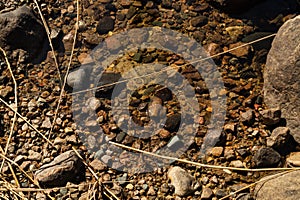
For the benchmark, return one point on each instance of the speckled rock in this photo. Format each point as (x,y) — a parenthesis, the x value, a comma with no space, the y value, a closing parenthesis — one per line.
(286,186)
(281,75)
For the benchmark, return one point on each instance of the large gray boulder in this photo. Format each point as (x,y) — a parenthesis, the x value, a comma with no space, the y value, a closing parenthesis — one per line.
(20,29)
(286,186)
(281,75)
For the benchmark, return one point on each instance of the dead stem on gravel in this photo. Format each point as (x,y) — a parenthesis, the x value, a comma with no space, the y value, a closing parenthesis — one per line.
(200,164)
(262,180)
(13,173)
(94,174)
(16,105)
(18,166)
(49,39)
(25,120)
(68,68)
(10,188)
(167,68)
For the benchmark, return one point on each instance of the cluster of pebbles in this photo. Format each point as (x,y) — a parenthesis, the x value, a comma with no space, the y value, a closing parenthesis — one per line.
(252,135)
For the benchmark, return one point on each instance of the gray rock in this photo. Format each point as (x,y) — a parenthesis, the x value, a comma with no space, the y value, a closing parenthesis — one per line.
(183,182)
(286,186)
(66,167)
(266,157)
(34,155)
(76,78)
(237,163)
(281,75)
(20,29)
(206,193)
(281,140)
(247,117)
(270,116)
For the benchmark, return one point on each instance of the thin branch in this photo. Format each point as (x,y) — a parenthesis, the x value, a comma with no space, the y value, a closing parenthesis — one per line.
(199,164)
(67,72)
(49,39)
(16,104)
(167,68)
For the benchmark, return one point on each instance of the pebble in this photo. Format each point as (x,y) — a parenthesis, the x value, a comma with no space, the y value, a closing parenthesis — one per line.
(237,164)
(97,165)
(106,159)
(130,186)
(199,21)
(76,78)
(240,52)
(34,155)
(247,117)
(266,157)
(230,128)
(105,25)
(270,116)
(281,140)
(294,159)
(46,123)
(216,151)
(206,194)
(151,191)
(183,182)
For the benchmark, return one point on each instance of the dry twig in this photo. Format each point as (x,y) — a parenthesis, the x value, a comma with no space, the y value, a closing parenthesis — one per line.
(49,39)
(199,164)
(16,104)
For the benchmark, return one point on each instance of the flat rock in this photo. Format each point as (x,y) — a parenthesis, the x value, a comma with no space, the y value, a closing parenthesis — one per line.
(281,75)
(286,186)
(183,182)
(20,29)
(66,167)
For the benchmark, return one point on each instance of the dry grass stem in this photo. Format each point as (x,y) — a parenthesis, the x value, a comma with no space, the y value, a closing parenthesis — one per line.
(18,166)
(16,104)
(200,164)
(49,39)
(168,68)
(68,68)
